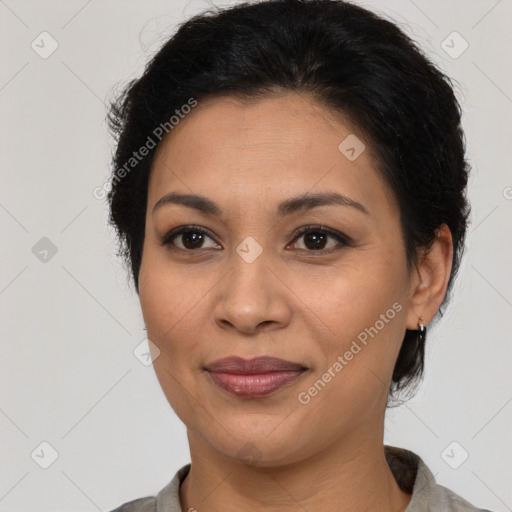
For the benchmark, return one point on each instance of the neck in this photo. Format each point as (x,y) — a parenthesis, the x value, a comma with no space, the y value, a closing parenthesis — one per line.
(345,477)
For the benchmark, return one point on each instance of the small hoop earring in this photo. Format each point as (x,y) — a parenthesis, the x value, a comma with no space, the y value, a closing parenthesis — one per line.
(422,330)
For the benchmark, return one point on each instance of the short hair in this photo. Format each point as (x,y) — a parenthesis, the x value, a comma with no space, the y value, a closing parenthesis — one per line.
(355,63)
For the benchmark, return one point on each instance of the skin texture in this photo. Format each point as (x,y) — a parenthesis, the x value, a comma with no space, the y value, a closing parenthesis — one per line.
(292,302)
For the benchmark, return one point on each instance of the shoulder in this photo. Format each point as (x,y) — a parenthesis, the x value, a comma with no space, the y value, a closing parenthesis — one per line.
(167,500)
(414,477)
(147,504)
(445,499)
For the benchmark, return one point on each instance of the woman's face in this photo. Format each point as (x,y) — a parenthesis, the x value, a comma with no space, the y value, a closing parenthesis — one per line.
(253,287)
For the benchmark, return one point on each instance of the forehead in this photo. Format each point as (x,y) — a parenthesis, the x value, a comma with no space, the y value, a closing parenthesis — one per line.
(271,148)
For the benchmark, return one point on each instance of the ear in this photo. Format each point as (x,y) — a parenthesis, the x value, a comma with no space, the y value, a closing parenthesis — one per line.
(430,279)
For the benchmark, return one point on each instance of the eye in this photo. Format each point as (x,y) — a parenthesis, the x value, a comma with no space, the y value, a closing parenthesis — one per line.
(315,238)
(191,237)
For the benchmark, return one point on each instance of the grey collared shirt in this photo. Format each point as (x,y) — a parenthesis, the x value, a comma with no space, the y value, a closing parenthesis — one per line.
(409,470)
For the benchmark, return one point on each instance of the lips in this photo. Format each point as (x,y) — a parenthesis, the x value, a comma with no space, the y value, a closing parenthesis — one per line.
(253,377)
(264,364)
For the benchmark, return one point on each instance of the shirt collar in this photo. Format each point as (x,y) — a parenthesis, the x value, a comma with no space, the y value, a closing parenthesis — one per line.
(409,470)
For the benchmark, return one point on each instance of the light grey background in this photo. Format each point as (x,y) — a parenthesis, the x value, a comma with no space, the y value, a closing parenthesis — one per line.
(69,325)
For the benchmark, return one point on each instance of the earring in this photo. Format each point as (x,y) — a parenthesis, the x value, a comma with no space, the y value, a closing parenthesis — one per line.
(422,330)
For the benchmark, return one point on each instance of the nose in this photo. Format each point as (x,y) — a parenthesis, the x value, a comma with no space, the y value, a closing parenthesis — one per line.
(252,298)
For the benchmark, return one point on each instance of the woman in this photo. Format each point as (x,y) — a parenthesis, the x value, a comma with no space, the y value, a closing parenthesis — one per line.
(290,194)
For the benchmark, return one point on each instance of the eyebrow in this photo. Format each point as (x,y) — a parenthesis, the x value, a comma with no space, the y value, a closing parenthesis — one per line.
(288,207)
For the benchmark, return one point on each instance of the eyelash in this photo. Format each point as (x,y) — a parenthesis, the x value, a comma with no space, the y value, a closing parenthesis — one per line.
(344,240)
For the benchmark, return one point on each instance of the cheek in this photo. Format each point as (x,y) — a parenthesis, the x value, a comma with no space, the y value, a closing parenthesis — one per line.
(167,294)
(349,388)
(176,310)
(361,308)
(161,310)
(169,314)
(352,295)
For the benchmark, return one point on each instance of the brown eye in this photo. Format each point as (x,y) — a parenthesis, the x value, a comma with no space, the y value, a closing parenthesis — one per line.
(191,238)
(316,238)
